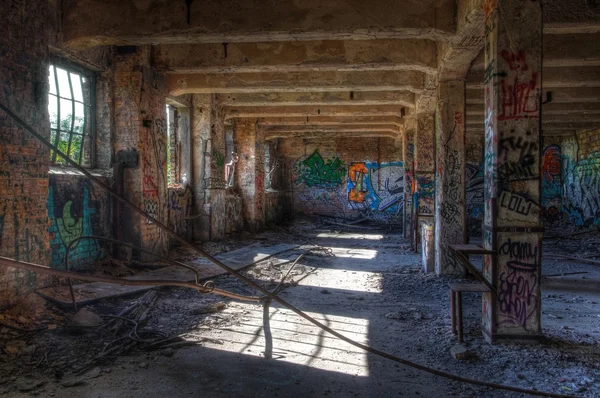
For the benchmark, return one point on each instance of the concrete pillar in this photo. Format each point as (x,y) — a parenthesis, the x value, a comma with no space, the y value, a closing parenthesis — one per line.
(250,173)
(208,169)
(424,174)
(512,227)
(450,221)
(408,151)
(140,124)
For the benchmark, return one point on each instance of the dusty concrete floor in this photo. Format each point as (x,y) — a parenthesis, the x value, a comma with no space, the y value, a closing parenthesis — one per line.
(371,290)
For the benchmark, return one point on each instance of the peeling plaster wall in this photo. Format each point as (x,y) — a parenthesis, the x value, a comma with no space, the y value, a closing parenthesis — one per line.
(362,177)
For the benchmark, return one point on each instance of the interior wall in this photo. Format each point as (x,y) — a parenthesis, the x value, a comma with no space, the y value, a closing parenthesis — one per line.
(348,178)
(580,168)
(24,162)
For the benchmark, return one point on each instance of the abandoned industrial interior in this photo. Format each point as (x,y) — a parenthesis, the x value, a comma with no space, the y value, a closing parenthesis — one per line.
(340,198)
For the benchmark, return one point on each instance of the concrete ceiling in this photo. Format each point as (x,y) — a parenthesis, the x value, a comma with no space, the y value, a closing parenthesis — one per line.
(340,66)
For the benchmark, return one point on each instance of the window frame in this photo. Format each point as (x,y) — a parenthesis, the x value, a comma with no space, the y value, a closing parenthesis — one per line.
(88,122)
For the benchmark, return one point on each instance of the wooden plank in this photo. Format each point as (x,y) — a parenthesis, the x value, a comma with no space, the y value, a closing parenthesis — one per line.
(471,249)
(469,287)
(88,293)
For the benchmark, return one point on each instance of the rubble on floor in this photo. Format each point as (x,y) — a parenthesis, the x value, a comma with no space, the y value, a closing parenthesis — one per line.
(375,293)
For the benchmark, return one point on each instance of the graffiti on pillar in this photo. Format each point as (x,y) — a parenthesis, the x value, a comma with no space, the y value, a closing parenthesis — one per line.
(474,174)
(519,94)
(74,211)
(518,288)
(426,194)
(581,175)
(314,171)
(518,158)
(154,166)
(179,206)
(376,189)
(551,184)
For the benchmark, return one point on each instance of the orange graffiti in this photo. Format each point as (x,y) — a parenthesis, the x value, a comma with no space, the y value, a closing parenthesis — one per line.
(489,6)
(356,174)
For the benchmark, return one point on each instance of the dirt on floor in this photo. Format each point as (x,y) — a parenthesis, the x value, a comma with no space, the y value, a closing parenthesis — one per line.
(367,284)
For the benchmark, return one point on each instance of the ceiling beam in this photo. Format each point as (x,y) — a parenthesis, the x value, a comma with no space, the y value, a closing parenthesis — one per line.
(582,76)
(309,111)
(403,98)
(560,95)
(549,109)
(298,56)
(114,22)
(330,120)
(179,84)
(570,17)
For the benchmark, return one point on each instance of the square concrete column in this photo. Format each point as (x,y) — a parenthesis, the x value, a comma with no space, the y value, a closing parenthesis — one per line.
(450,220)
(424,174)
(208,168)
(408,155)
(140,125)
(512,227)
(250,173)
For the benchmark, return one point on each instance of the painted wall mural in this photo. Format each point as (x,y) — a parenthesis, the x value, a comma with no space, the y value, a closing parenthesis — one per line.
(75,210)
(314,171)
(376,189)
(581,176)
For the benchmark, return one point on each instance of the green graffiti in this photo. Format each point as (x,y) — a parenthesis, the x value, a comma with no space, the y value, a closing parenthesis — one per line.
(219,159)
(316,172)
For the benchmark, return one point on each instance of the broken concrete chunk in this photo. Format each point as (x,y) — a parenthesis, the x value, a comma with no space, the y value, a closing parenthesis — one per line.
(460,352)
(208,308)
(29,383)
(86,318)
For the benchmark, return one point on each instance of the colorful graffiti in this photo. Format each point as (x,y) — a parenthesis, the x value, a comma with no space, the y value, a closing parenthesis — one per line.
(474,197)
(581,176)
(314,171)
(425,194)
(74,213)
(551,184)
(376,189)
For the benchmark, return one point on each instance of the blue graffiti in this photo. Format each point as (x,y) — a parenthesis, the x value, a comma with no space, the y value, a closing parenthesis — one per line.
(67,225)
(581,196)
(376,188)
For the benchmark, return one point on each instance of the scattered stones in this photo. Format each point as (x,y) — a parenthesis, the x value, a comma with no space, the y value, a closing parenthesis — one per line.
(85,318)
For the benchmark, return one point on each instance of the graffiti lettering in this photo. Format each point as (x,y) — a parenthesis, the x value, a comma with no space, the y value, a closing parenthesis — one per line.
(313,171)
(517,297)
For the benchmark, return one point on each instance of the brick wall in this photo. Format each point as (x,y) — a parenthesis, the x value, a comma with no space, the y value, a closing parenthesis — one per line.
(345,177)
(24,162)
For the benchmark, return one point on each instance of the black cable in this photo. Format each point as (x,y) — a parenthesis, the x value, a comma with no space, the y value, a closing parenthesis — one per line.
(264,291)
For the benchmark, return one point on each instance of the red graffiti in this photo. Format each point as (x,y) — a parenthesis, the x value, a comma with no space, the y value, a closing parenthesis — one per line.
(519,100)
(515,62)
(489,6)
(551,162)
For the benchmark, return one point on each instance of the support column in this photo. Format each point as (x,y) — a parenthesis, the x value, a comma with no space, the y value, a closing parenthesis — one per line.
(512,227)
(450,218)
(408,155)
(424,174)
(250,174)
(208,169)
(140,124)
